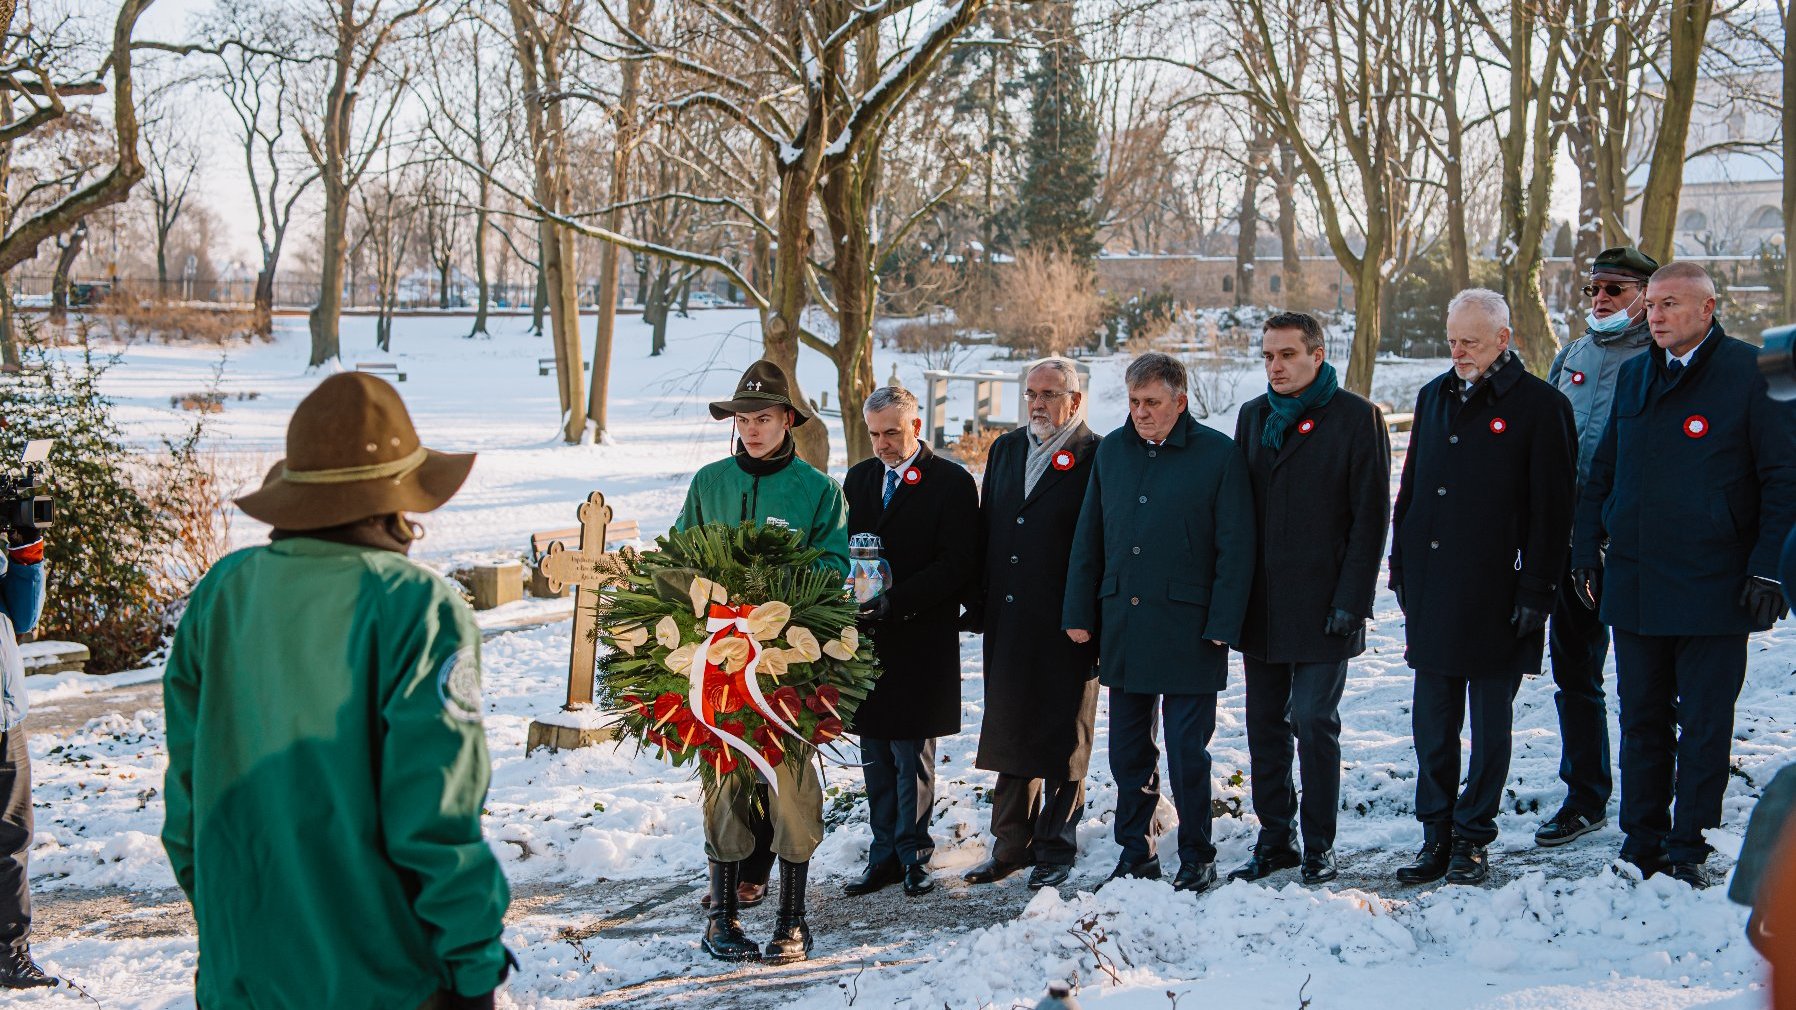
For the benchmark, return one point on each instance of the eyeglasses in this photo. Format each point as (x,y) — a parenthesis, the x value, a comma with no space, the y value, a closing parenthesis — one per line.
(1612,290)
(1032,396)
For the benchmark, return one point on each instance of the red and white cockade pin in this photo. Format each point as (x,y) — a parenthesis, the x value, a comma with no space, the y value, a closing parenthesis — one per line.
(1305,426)
(1696,426)
(1577,378)
(1062,460)
(913,476)
(1498,426)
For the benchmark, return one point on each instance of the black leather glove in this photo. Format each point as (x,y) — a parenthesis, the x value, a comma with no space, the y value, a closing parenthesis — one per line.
(1398,589)
(875,609)
(1528,621)
(1584,586)
(1764,600)
(1341,624)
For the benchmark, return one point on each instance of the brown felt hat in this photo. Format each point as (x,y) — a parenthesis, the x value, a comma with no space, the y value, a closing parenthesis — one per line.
(352,453)
(763,385)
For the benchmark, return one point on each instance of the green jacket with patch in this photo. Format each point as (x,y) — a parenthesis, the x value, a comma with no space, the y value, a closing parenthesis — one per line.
(327,769)
(799,494)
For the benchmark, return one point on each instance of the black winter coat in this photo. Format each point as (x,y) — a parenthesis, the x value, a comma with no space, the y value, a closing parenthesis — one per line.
(1041,689)
(1323,502)
(1163,559)
(931,538)
(1694,487)
(1483,520)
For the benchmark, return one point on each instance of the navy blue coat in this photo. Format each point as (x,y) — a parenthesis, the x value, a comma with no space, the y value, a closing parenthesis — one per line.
(1693,487)
(1483,521)
(1163,559)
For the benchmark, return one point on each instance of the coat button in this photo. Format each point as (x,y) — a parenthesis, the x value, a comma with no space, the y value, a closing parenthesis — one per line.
(1440,491)
(1434,545)
(1019,520)
(1009,599)
(1134,601)
(1013,559)
(1134,550)
(1452,439)
(1144,499)
(1151,453)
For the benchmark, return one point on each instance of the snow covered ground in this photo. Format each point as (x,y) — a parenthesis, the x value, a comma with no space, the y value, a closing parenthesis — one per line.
(608,839)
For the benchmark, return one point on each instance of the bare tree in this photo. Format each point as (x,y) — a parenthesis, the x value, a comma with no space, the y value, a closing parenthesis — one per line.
(172,156)
(441,223)
(388,215)
(1665,171)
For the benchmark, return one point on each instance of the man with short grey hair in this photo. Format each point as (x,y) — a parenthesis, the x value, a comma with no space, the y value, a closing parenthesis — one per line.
(1477,551)
(1041,691)
(1162,565)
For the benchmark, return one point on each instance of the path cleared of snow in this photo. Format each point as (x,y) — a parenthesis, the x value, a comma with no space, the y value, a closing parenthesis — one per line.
(1564,930)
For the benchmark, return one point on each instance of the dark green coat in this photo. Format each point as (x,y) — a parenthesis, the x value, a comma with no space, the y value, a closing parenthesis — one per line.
(801,496)
(1163,559)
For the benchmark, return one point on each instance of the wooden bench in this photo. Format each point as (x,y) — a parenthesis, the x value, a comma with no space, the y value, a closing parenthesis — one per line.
(546,365)
(618,531)
(381,368)
(1399,422)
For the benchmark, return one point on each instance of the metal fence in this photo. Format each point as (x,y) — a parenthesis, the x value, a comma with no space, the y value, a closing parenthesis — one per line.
(33,290)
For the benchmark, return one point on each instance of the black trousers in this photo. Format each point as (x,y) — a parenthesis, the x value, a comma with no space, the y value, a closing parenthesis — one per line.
(15,840)
(1578,642)
(1135,764)
(1677,727)
(900,795)
(1295,704)
(1436,717)
(1037,820)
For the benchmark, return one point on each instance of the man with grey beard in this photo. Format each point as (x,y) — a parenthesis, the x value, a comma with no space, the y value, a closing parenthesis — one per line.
(1041,688)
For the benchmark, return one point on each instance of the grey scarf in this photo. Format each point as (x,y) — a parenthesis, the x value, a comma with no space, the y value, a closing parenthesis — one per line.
(1041,453)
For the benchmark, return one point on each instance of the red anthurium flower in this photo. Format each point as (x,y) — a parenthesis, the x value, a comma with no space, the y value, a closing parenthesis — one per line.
(827,698)
(827,729)
(785,702)
(667,706)
(635,705)
(721,760)
(773,755)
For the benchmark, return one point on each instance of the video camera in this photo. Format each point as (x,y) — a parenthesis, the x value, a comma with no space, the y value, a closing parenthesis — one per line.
(25,498)
(1777,362)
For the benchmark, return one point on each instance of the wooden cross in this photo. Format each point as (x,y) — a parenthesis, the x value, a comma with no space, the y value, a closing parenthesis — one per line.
(588,570)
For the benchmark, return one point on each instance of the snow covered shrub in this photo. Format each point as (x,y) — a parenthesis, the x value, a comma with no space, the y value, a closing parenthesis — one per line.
(126,543)
(1050,304)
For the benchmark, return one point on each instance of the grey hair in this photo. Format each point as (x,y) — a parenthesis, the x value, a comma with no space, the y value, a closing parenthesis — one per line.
(1684,270)
(1068,373)
(1484,300)
(1155,366)
(886,397)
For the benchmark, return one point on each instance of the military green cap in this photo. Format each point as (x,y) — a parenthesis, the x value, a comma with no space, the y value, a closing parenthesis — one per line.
(1623,262)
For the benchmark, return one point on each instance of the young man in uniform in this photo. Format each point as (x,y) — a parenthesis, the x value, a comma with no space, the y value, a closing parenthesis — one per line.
(327,762)
(765,482)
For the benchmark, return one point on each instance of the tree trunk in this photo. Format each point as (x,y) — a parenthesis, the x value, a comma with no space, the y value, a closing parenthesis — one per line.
(540,300)
(161,264)
(482,294)
(443,284)
(1665,175)
(654,309)
(65,264)
(1448,47)
(1284,189)
(262,316)
(1368,320)
(9,339)
(623,144)
(781,321)
(334,248)
(1789,159)
(1247,223)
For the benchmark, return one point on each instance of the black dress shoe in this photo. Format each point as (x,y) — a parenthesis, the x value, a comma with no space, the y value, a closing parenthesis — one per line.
(1319,867)
(1194,877)
(1430,864)
(878,876)
(1049,875)
(1648,863)
(1470,863)
(1689,873)
(917,880)
(1147,869)
(1264,863)
(19,971)
(991,871)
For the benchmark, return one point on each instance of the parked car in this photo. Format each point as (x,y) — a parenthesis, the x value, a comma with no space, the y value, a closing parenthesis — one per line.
(704,300)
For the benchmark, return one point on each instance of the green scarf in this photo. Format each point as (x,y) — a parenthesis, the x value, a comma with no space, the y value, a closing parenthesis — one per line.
(1287,409)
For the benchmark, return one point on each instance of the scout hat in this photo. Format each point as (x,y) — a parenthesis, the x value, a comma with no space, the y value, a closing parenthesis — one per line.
(352,453)
(763,385)
(1623,263)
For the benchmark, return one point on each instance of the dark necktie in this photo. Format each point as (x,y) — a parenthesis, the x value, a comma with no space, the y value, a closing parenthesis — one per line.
(891,486)
(1673,367)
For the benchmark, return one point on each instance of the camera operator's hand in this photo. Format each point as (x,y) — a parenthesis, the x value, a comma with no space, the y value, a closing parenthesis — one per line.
(25,545)
(19,536)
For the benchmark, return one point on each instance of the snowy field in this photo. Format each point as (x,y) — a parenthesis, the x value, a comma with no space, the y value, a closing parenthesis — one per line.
(605,848)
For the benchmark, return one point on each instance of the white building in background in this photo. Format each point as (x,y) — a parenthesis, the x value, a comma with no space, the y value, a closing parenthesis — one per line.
(1732,201)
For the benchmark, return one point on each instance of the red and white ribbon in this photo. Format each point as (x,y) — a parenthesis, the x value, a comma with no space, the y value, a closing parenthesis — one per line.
(732,622)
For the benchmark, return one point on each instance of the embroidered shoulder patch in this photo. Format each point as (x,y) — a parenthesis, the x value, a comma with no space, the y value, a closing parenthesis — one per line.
(458,685)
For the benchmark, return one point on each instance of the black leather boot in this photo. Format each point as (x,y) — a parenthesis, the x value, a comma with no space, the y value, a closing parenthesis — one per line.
(1431,862)
(723,930)
(791,937)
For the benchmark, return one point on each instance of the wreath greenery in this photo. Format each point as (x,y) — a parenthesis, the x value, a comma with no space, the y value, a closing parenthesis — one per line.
(784,667)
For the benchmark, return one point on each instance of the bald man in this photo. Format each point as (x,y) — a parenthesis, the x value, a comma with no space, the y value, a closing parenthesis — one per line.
(1693,488)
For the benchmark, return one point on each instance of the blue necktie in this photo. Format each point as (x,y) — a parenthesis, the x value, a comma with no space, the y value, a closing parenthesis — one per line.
(891,485)
(1673,367)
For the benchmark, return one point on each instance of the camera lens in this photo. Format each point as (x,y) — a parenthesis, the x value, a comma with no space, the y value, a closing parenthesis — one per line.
(1777,363)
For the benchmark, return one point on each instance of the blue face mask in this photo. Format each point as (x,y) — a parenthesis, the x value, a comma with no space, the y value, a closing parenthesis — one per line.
(1613,323)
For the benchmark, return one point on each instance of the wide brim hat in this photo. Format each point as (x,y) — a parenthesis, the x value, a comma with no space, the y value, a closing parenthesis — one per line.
(352,453)
(763,385)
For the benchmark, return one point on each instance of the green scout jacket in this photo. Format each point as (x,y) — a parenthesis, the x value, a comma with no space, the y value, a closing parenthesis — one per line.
(327,768)
(807,499)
